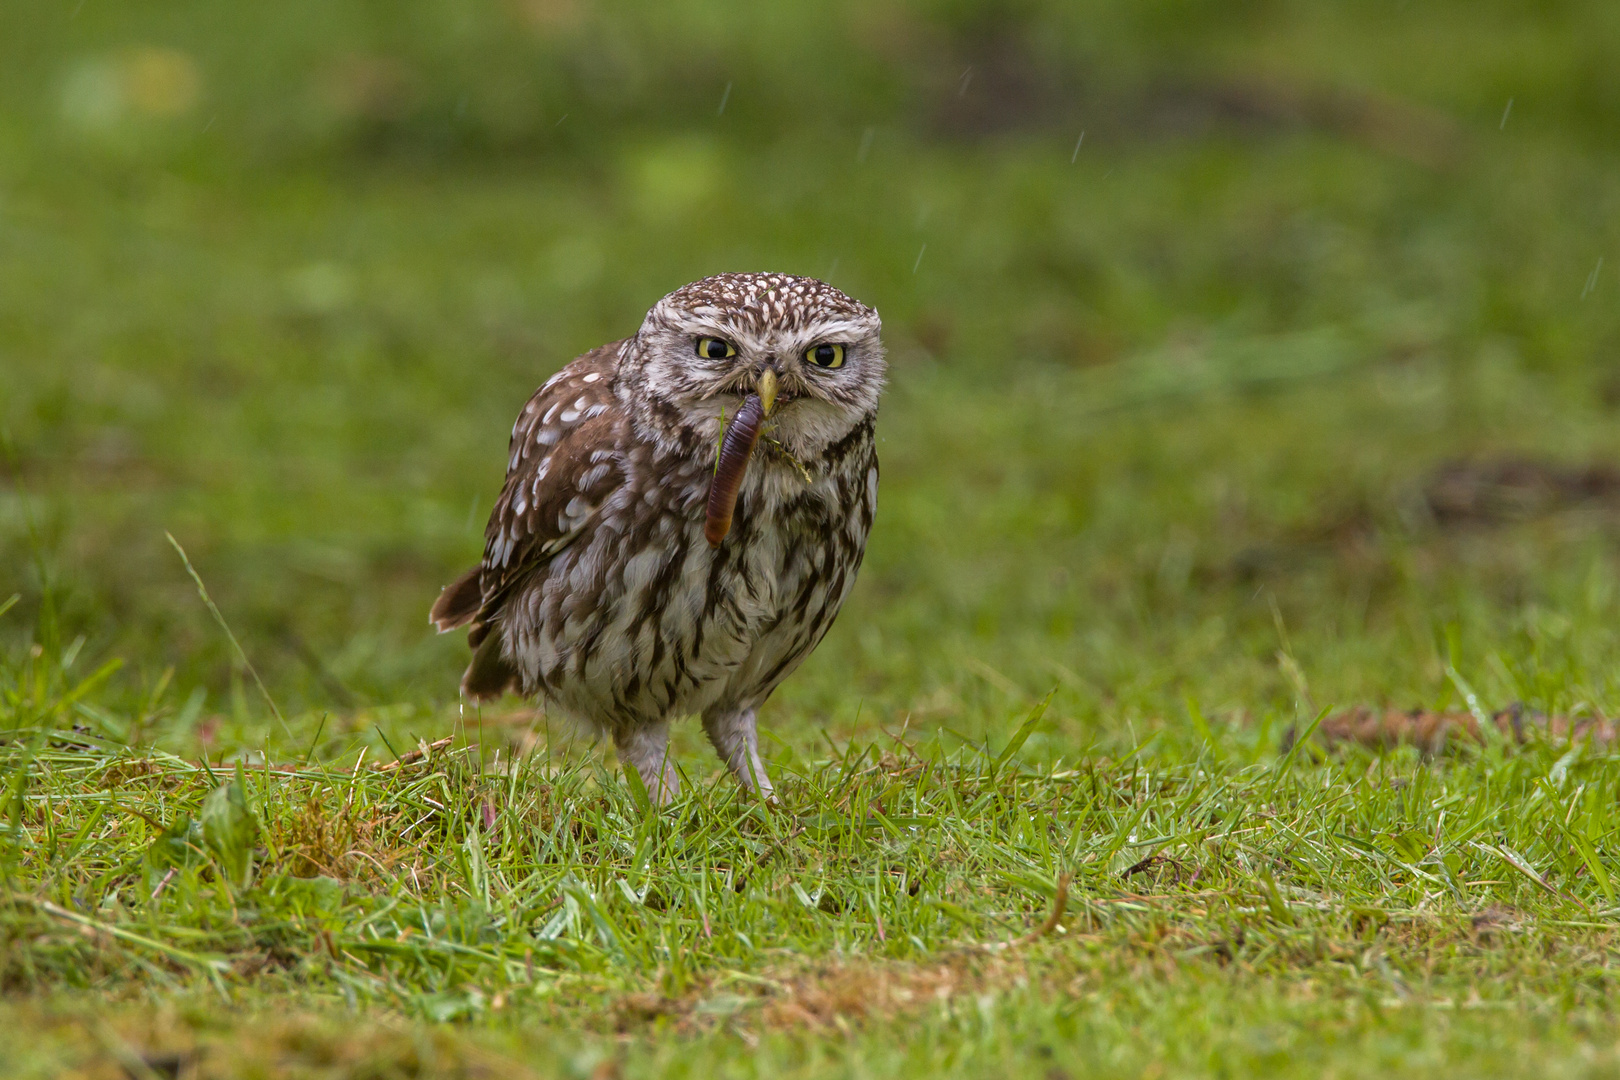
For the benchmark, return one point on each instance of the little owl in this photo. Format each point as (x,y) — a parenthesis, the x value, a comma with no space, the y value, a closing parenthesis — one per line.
(684,513)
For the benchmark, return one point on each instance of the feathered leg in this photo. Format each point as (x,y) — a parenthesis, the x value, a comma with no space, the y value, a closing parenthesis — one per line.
(646,748)
(736,740)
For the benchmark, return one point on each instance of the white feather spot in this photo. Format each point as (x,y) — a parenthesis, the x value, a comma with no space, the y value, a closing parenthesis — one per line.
(569,416)
(592,377)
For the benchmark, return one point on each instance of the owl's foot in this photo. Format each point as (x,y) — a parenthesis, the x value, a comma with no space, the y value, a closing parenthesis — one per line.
(646,749)
(736,740)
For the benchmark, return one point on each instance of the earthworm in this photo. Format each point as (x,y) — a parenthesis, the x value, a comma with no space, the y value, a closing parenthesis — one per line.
(741,435)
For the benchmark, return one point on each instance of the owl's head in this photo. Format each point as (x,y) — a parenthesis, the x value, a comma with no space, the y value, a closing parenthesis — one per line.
(706,346)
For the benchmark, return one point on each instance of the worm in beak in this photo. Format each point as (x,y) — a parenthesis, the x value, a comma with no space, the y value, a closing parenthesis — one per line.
(741,435)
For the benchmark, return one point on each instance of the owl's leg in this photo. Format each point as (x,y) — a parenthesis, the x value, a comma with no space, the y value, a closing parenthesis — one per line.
(646,747)
(737,742)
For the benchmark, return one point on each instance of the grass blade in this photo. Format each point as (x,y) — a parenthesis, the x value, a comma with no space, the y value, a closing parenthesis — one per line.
(1024,731)
(241,654)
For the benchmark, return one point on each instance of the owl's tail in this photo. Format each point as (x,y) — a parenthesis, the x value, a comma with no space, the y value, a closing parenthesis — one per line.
(490,674)
(459,601)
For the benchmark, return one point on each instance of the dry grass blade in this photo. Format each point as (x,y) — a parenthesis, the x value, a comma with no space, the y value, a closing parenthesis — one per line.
(209,964)
(219,618)
(1060,903)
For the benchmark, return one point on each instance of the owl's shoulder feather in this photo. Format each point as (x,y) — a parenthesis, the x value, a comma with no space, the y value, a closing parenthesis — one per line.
(562,467)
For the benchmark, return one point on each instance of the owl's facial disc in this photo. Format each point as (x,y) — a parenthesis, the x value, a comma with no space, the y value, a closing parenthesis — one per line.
(706,348)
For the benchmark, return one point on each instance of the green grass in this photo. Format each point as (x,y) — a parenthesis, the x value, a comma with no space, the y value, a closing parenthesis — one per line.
(1160,451)
(896,913)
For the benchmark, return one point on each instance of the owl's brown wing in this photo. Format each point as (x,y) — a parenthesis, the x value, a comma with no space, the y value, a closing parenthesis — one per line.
(561,470)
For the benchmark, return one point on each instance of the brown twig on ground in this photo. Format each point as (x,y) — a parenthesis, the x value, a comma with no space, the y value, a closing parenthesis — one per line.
(1432,731)
(422,752)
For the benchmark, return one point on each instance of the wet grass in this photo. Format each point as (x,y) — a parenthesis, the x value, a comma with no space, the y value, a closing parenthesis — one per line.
(908,907)
(1290,389)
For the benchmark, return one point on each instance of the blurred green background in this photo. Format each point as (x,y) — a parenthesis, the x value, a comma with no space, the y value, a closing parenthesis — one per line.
(1260,354)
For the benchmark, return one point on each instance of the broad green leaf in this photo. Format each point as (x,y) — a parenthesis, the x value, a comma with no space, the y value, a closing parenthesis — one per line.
(230,830)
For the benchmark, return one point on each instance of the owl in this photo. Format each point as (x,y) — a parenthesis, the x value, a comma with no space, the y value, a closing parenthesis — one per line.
(684,514)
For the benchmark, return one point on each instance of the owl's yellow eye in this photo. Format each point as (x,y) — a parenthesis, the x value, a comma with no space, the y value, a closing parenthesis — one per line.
(715,348)
(825,355)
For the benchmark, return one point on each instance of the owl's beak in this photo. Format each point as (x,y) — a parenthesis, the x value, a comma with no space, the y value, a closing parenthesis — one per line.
(767,389)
